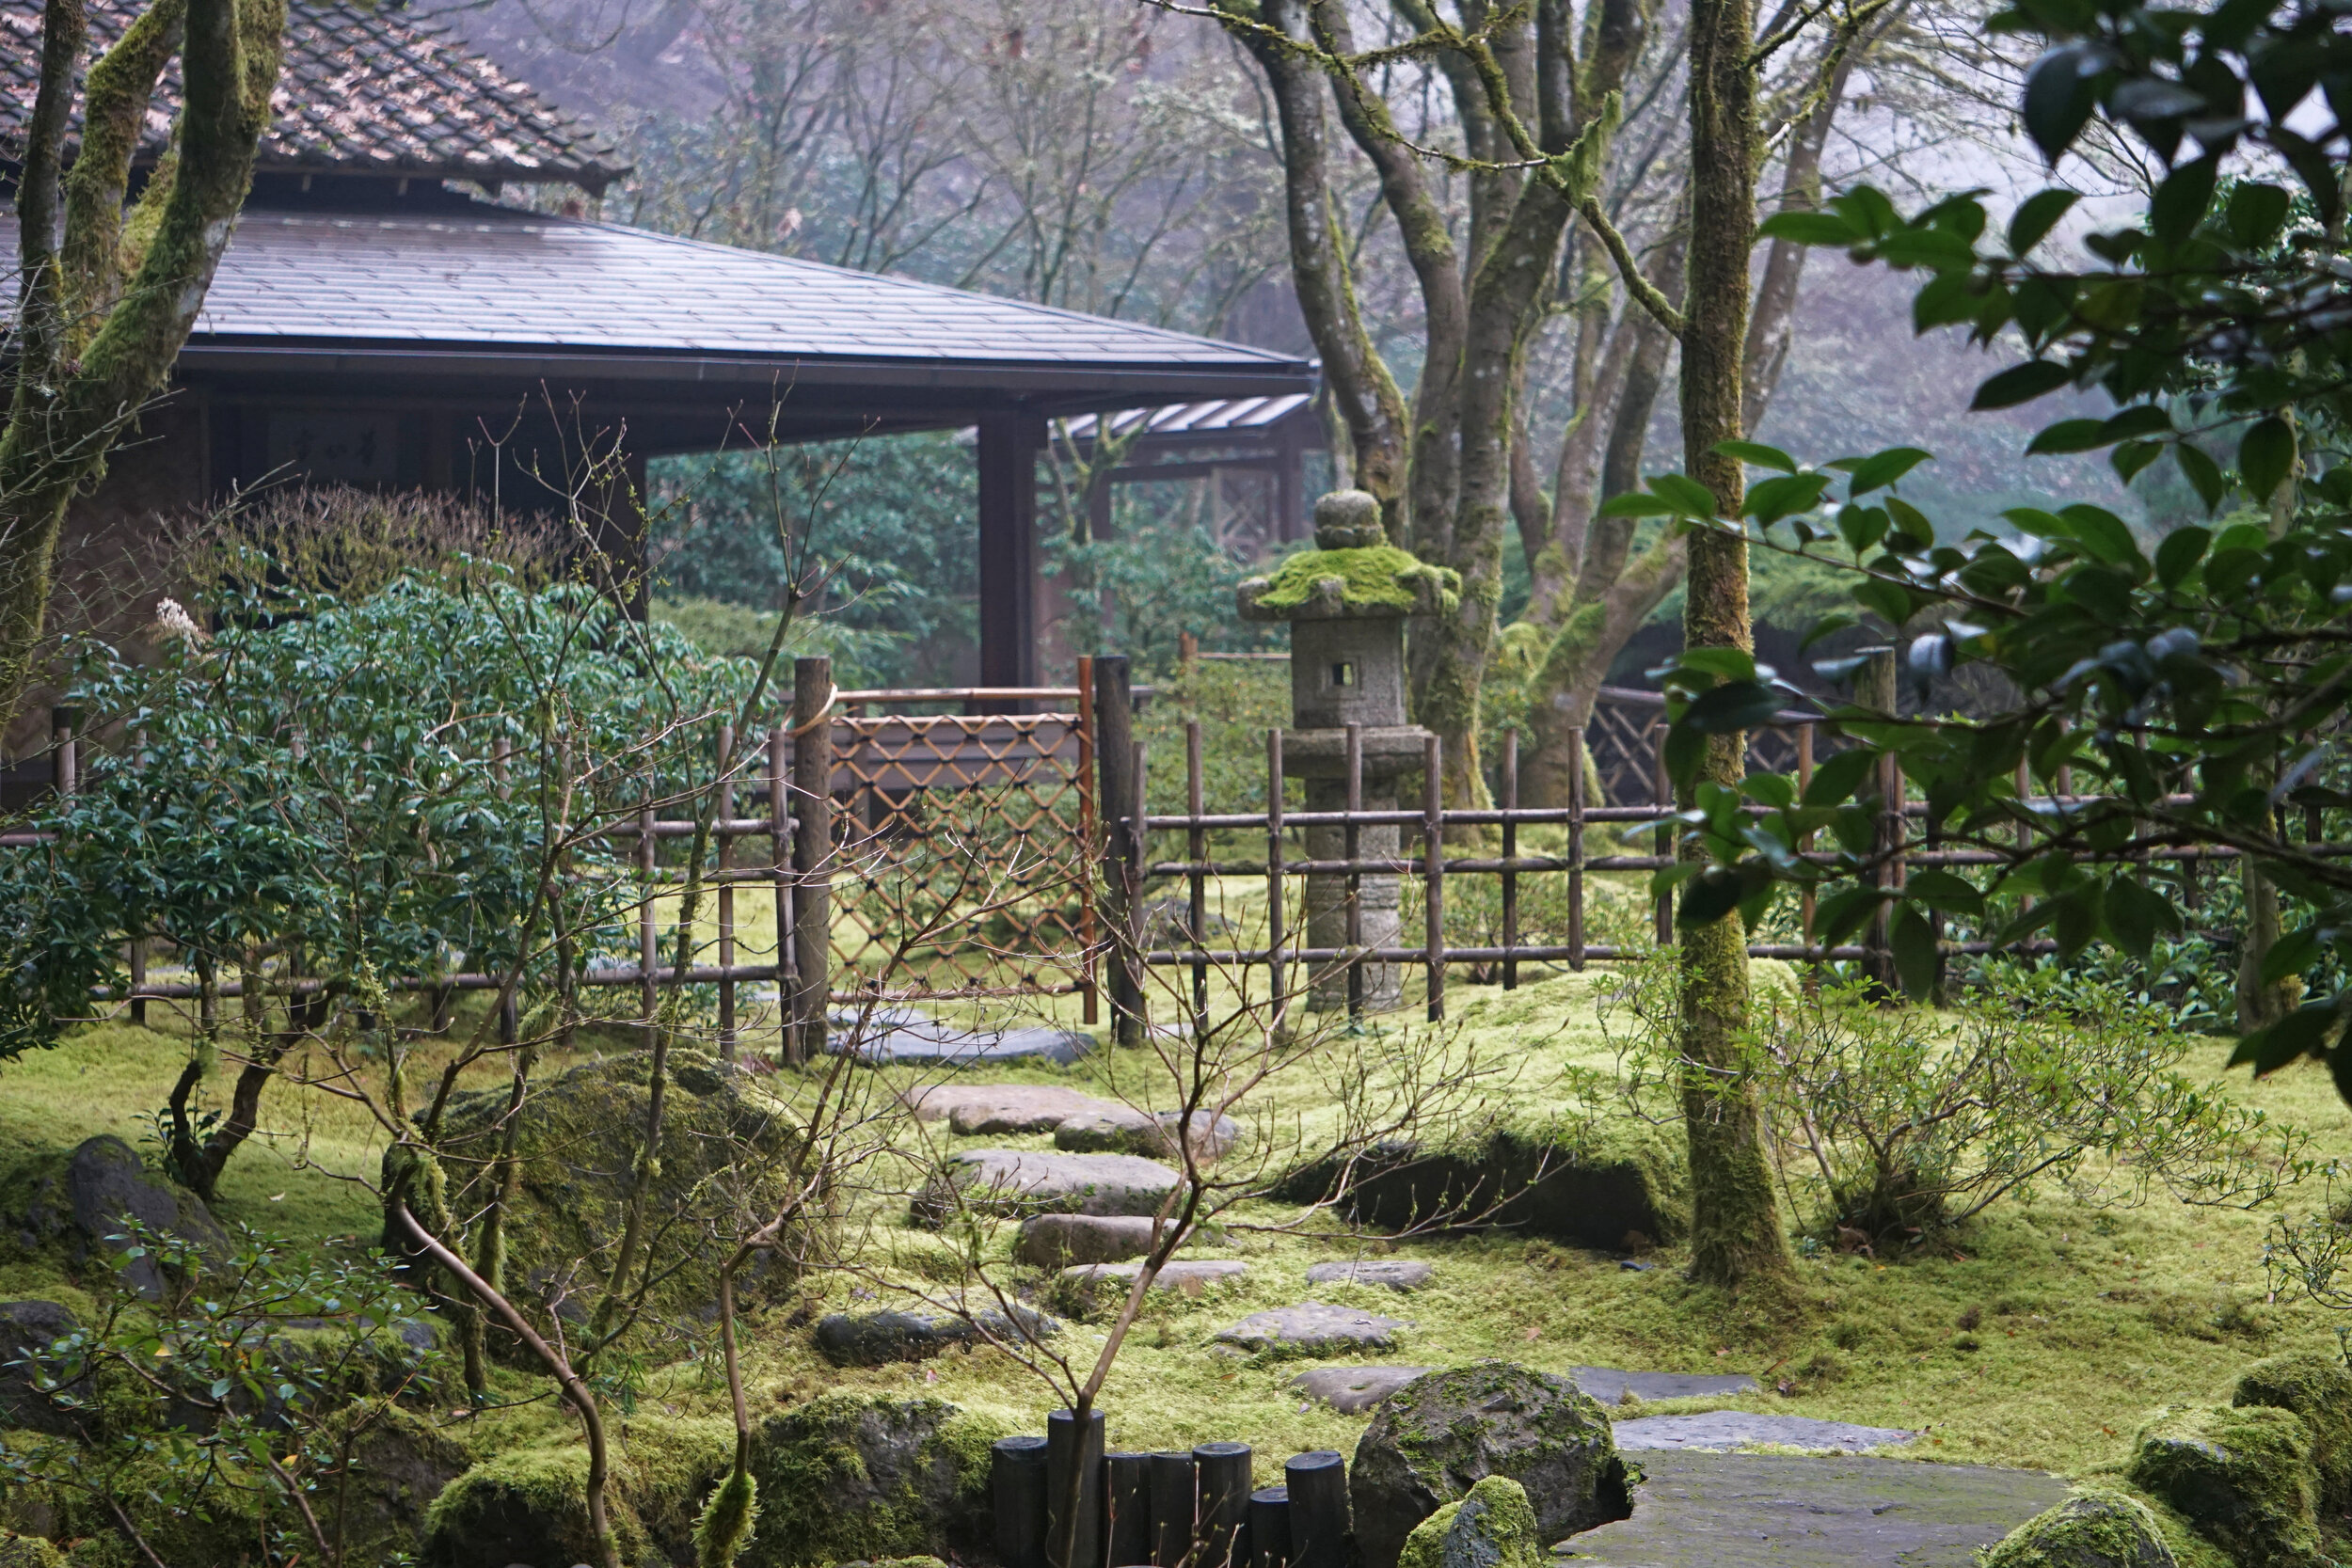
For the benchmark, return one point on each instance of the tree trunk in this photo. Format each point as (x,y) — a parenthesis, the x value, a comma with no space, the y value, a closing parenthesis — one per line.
(1735,1221)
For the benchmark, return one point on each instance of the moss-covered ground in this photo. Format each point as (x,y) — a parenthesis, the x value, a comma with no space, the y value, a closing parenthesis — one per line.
(2039,1337)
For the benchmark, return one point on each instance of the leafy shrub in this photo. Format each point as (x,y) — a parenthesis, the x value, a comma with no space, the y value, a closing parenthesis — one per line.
(1897,1122)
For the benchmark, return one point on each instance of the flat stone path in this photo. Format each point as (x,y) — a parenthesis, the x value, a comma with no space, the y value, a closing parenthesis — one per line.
(1397,1273)
(1312,1326)
(1610,1386)
(906,1035)
(1739,1429)
(1785,1510)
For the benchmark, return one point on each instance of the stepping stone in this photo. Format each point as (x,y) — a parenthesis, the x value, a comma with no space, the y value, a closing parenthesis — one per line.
(1122,1129)
(1397,1273)
(1020,1108)
(905,1035)
(1778,1510)
(1311,1327)
(1056,1240)
(1086,1287)
(1739,1429)
(1022,1181)
(878,1338)
(1353,1390)
(1611,1385)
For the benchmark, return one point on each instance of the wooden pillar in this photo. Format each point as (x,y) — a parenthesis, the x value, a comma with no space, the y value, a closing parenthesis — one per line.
(1008,446)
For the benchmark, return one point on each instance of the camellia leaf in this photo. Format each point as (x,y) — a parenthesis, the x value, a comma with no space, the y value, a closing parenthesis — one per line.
(2036,216)
(2021,384)
(2266,455)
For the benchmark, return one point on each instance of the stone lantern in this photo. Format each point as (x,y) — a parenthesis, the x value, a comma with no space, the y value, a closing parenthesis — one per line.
(1347,601)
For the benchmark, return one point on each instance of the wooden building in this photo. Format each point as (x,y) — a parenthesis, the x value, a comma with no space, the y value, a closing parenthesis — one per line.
(385,316)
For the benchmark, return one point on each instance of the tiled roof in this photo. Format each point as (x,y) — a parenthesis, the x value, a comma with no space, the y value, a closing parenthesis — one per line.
(497,287)
(363,91)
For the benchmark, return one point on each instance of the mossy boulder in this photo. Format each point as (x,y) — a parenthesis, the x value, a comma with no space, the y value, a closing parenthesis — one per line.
(1604,1187)
(29,1551)
(530,1505)
(1439,1435)
(2240,1475)
(2104,1528)
(2318,1387)
(724,1144)
(1494,1527)
(848,1477)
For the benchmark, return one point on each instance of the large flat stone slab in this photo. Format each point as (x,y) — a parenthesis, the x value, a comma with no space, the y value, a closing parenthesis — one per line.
(1741,1428)
(1785,1510)
(1059,1241)
(1397,1273)
(906,1035)
(1311,1327)
(1353,1390)
(1022,1181)
(1610,1384)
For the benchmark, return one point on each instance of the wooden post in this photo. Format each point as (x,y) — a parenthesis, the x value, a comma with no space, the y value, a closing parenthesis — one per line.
(1433,873)
(1274,998)
(1119,795)
(1073,1454)
(1090,821)
(648,938)
(1576,859)
(1127,1516)
(1224,1504)
(780,831)
(811,856)
(1350,840)
(1174,1485)
(1663,792)
(1016,1486)
(1197,880)
(726,787)
(1317,1483)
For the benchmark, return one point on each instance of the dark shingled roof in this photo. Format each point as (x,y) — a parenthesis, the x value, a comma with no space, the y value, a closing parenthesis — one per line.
(363,91)
(487,290)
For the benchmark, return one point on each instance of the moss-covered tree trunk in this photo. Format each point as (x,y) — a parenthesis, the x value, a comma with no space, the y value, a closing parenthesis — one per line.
(92,352)
(1735,1221)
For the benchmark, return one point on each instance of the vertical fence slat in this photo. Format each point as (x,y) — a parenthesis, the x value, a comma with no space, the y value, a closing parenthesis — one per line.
(780,831)
(1197,851)
(812,854)
(1432,870)
(1351,840)
(1274,998)
(1510,859)
(1117,791)
(1088,930)
(1575,860)
(1663,794)
(726,893)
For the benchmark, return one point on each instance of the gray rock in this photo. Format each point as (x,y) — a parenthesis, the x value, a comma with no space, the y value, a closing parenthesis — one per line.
(1123,1129)
(1059,1241)
(1740,1429)
(106,1187)
(878,1338)
(1353,1390)
(1611,1385)
(1092,1285)
(1440,1434)
(904,1034)
(1775,1511)
(1022,1108)
(1310,1328)
(1397,1273)
(1014,1180)
(28,1329)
